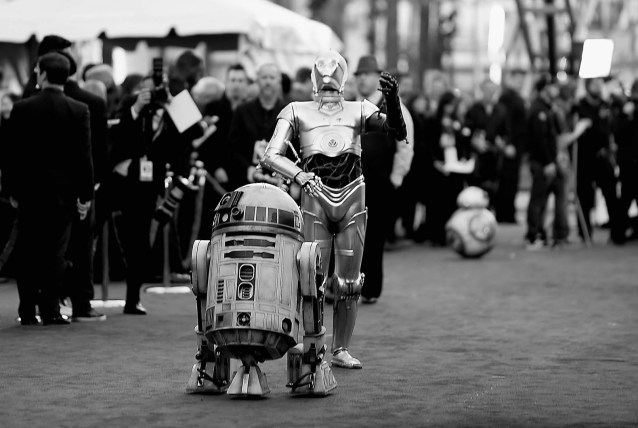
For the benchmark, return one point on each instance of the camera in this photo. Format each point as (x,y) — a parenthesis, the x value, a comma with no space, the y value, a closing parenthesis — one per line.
(159,95)
(166,209)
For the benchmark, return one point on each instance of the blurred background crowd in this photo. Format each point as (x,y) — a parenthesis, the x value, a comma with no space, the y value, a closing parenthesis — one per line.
(492,88)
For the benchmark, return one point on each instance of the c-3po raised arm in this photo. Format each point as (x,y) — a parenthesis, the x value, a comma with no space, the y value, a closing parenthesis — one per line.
(333,202)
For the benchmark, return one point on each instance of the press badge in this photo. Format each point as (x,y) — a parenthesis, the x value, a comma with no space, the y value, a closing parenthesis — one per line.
(146,169)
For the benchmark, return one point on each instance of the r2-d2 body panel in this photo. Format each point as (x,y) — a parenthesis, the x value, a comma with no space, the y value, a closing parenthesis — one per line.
(253,306)
(472,228)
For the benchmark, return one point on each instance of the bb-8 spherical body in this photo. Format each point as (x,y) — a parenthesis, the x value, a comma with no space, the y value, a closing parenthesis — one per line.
(472,228)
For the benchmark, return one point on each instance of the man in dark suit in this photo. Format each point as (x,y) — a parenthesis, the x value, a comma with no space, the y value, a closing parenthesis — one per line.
(385,162)
(215,150)
(78,279)
(144,142)
(515,138)
(49,43)
(252,126)
(50,175)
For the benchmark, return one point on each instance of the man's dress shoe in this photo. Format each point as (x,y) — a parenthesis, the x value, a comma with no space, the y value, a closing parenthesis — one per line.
(56,320)
(136,309)
(29,321)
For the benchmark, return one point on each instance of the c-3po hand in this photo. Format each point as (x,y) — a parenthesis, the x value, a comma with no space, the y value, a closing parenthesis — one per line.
(388,85)
(309,182)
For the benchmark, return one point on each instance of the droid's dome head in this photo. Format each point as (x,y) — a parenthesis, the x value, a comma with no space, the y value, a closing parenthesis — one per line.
(473,197)
(260,207)
(329,72)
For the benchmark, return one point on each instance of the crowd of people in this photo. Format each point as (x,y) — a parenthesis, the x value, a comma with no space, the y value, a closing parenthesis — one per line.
(78,150)
(571,144)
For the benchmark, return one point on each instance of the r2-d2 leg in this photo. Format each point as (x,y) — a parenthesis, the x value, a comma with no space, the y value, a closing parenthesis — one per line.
(211,372)
(308,372)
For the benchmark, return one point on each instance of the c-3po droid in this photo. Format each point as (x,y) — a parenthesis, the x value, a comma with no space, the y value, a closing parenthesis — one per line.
(258,287)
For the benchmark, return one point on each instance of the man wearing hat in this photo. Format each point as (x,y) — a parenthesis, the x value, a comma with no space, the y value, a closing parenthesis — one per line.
(385,163)
(50,43)
(79,278)
(50,175)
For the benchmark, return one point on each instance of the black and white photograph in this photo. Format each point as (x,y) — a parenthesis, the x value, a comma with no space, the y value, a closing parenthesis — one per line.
(318,213)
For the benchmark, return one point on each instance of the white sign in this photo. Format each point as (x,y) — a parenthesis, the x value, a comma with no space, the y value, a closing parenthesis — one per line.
(183,111)
(596,59)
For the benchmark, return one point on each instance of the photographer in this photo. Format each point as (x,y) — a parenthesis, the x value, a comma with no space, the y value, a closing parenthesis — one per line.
(144,142)
(626,135)
(596,159)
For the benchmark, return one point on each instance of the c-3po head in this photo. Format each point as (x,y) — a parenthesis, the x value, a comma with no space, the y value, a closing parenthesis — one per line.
(329,72)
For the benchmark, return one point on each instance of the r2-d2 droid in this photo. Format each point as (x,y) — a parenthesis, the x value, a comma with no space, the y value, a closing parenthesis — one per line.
(258,287)
(472,228)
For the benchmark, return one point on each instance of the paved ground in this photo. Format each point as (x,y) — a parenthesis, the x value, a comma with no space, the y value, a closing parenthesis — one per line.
(516,339)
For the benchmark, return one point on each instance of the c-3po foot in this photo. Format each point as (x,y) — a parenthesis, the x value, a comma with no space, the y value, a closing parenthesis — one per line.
(342,358)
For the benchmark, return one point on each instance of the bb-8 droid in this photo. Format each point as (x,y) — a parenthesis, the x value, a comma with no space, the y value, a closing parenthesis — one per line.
(472,228)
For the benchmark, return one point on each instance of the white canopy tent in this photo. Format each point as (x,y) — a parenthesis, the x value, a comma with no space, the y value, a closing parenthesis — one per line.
(273,26)
(266,31)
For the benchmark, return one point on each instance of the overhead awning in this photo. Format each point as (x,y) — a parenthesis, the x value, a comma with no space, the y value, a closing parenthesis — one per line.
(266,24)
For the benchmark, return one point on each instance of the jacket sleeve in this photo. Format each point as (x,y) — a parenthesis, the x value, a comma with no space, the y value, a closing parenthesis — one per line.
(99,146)
(239,144)
(496,125)
(84,158)
(126,136)
(622,129)
(191,133)
(539,131)
(404,152)
(10,153)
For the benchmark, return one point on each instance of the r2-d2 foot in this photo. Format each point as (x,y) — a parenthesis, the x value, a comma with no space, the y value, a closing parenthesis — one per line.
(309,372)
(211,373)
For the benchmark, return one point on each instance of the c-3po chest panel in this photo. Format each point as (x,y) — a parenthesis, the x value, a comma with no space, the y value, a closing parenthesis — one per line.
(329,133)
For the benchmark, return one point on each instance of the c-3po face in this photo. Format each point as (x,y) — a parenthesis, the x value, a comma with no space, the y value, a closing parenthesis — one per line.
(329,72)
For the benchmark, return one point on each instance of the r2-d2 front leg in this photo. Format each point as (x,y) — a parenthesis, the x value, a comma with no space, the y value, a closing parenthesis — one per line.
(211,372)
(308,372)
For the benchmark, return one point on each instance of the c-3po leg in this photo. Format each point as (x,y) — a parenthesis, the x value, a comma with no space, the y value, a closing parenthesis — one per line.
(316,230)
(308,372)
(347,282)
(204,378)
